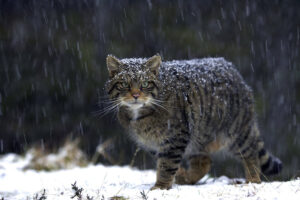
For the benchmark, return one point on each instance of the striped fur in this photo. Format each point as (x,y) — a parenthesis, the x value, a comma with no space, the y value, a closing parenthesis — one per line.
(186,110)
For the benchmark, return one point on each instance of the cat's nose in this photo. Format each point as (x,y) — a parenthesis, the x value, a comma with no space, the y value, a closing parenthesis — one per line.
(136,95)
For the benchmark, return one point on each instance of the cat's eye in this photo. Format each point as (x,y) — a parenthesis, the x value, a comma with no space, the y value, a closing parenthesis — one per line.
(145,84)
(125,84)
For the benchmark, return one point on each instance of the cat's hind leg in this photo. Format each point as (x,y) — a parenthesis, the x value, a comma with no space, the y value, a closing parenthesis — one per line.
(247,147)
(198,166)
(252,170)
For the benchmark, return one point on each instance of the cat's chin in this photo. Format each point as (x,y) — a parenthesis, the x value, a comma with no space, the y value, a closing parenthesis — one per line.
(135,108)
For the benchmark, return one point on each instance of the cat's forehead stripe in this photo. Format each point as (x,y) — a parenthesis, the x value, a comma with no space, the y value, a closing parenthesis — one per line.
(132,68)
(134,61)
(132,75)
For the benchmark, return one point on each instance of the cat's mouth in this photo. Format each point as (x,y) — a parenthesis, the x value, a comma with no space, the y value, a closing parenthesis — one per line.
(135,104)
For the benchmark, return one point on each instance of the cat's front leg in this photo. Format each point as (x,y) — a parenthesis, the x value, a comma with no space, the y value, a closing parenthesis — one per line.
(169,159)
(165,174)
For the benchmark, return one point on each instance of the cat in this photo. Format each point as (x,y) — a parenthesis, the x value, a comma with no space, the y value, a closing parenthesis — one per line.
(185,110)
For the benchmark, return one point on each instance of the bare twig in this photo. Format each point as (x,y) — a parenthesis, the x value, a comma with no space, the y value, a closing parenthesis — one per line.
(134,155)
(77,191)
(37,197)
(89,198)
(144,195)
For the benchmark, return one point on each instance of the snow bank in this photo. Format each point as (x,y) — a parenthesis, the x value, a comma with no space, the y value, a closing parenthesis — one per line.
(101,182)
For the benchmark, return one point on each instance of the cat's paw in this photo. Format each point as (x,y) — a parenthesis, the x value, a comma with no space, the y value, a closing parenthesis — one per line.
(253,180)
(161,187)
(181,177)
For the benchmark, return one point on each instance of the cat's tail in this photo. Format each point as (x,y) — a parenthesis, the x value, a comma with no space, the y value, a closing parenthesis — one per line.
(270,165)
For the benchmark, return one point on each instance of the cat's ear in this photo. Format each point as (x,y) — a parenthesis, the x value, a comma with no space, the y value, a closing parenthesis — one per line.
(154,63)
(113,65)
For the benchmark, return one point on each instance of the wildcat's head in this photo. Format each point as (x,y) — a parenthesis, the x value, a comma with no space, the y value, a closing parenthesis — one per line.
(133,82)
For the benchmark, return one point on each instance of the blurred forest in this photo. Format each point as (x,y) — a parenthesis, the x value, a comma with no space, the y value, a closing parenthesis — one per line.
(52,67)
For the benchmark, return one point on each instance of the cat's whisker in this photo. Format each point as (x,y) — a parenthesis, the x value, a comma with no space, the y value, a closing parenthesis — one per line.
(109,100)
(114,104)
(157,104)
(107,103)
(103,97)
(106,110)
(158,100)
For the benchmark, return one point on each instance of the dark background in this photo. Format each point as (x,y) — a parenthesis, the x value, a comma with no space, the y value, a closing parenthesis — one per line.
(52,67)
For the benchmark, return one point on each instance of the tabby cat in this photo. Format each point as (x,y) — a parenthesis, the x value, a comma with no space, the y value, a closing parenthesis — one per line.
(184,110)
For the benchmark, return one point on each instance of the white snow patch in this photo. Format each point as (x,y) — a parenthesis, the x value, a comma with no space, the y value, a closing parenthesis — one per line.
(104,182)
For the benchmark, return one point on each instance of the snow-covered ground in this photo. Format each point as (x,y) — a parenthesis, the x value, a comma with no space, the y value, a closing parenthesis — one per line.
(101,182)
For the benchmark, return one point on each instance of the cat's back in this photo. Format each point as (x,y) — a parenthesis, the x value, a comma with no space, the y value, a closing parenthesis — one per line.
(207,73)
(210,90)
(197,70)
